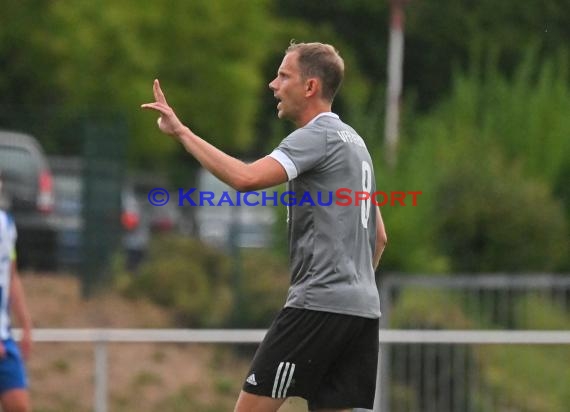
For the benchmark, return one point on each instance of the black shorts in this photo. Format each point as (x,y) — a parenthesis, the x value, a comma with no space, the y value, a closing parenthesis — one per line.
(327,358)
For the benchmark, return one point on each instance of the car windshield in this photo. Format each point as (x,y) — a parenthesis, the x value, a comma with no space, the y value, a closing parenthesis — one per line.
(15,164)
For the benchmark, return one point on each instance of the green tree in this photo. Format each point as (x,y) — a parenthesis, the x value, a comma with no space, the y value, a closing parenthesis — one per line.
(207,58)
(26,67)
(491,218)
(489,161)
(439,35)
(447,34)
(103,56)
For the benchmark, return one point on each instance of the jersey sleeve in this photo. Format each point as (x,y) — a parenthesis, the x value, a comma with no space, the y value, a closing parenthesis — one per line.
(13,234)
(301,151)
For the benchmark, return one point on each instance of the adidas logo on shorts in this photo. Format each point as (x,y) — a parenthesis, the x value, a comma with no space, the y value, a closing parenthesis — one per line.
(251,379)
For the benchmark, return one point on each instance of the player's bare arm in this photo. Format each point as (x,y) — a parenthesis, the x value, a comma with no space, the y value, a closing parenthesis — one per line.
(263,173)
(381,238)
(20,309)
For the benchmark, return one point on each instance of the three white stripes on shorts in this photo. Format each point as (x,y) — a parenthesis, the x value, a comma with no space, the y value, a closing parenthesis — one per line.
(283,379)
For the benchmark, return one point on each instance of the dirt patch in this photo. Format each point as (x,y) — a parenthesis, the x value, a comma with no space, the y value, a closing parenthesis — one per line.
(141,377)
(55,302)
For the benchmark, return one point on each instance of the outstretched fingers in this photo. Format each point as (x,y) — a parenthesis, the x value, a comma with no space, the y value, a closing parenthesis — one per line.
(158,94)
(160,103)
(167,121)
(161,107)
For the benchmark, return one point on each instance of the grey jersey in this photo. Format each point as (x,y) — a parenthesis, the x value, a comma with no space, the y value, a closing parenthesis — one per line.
(331,245)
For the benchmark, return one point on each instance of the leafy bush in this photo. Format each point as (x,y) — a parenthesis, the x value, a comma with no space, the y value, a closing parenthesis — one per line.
(410,229)
(208,288)
(525,377)
(265,284)
(188,277)
(492,163)
(418,308)
(491,218)
(531,375)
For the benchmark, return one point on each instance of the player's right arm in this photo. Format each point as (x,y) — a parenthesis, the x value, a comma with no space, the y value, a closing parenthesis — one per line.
(381,239)
(263,173)
(20,309)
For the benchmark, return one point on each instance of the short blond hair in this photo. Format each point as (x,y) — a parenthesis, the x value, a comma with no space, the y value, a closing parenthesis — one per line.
(323,61)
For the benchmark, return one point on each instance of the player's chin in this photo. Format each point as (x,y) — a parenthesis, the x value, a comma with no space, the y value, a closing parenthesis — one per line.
(283,114)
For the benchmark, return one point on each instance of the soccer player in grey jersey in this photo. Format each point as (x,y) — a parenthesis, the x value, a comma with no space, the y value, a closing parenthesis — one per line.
(323,345)
(331,248)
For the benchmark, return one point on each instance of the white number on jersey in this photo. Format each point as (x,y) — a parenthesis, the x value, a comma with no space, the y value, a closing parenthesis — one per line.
(366,187)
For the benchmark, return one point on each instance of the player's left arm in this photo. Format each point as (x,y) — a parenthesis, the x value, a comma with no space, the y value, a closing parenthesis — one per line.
(381,239)
(19,307)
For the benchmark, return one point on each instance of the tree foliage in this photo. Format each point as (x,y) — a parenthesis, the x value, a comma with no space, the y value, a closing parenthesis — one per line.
(463,81)
(439,35)
(207,289)
(488,160)
(26,66)
(443,35)
(102,56)
(490,218)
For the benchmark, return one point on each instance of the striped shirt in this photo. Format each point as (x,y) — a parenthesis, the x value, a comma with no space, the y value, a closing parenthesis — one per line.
(7,255)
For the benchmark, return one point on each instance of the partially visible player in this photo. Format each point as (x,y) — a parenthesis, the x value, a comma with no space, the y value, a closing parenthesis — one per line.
(14,395)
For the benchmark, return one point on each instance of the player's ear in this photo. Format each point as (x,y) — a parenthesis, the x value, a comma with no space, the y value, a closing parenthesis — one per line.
(311,86)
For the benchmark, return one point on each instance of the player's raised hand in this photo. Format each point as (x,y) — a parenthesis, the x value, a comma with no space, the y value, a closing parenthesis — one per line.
(168,122)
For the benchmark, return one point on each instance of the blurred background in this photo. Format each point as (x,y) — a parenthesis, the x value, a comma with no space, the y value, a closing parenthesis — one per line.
(467,102)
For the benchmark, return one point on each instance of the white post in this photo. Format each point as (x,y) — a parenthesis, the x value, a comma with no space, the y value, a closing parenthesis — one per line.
(383,381)
(100,396)
(395,63)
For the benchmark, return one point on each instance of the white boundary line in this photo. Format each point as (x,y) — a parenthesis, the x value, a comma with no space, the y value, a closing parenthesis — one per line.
(256,335)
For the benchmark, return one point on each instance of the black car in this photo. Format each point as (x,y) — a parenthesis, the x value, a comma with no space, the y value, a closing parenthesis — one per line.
(28,187)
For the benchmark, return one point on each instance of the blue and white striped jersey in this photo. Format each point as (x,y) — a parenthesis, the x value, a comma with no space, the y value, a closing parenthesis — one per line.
(7,255)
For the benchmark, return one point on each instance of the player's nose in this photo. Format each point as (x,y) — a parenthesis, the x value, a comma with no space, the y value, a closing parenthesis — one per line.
(273,84)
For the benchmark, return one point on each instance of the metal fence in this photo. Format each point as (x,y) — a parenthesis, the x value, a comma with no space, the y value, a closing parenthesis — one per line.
(101,338)
(457,376)
(459,344)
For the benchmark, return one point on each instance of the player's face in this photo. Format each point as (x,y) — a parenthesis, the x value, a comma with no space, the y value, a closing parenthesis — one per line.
(289,88)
